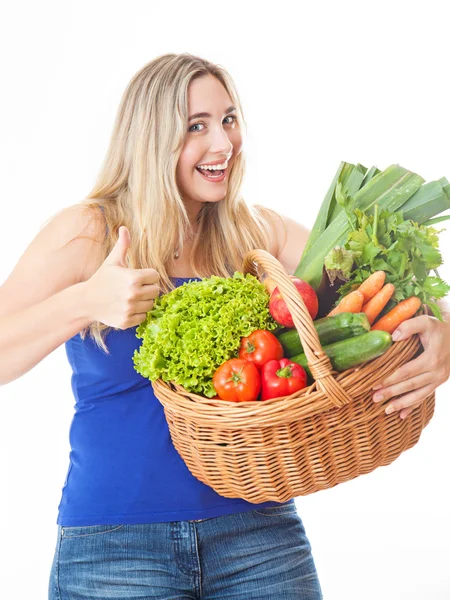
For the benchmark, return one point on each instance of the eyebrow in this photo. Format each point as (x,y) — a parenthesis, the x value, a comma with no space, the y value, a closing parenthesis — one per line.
(205,114)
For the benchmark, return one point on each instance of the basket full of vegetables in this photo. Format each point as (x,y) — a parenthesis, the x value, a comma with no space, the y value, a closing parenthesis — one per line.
(268,395)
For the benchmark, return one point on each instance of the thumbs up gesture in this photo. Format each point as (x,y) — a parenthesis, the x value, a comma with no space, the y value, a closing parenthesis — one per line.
(118,255)
(118,296)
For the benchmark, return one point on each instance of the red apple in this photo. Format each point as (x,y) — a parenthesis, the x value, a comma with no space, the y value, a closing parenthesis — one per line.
(278,307)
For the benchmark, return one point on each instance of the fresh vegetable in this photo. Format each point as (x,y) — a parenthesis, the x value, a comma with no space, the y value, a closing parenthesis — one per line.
(362,188)
(404,310)
(431,200)
(281,378)
(260,347)
(406,251)
(338,264)
(437,220)
(348,179)
(329,330)
(237,380)
(353,351)
(196,327)
(372,285)
(393,187)
(352,302)
(278,307)
(328,294)
(373,307)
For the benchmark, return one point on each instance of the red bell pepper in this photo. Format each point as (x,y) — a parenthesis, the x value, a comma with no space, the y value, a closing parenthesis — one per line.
(281,378)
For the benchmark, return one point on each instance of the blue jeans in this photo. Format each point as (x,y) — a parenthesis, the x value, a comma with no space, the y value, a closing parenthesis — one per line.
(261,554)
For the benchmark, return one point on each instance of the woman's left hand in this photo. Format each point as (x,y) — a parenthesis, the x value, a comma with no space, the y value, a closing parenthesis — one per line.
(419,377)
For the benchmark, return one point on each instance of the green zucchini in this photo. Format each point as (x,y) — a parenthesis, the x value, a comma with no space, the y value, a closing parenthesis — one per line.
(329,329)
(351,352)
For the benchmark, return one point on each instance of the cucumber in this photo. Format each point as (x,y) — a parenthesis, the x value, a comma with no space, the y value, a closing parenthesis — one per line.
(329,329)
(351,352)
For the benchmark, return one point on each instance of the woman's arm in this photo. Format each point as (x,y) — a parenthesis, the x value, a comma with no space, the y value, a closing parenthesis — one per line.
(42,302)
(29,335)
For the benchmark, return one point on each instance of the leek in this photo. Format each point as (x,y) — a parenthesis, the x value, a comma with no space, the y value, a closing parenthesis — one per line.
(437,220)
(393,189)
(321,221)
(351,181)
(390,189)
(432,199)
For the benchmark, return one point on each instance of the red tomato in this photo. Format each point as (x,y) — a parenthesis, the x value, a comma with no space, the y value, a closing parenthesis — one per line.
(260,347)
(237,380)
(278,307)
(281,378)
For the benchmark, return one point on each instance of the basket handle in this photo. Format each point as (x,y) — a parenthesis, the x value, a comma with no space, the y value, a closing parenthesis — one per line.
(318,362)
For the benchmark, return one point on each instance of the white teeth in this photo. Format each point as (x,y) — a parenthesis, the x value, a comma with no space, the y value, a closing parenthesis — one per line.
(213,167)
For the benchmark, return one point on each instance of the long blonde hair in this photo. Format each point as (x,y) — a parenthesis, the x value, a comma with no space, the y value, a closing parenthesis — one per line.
(136,186)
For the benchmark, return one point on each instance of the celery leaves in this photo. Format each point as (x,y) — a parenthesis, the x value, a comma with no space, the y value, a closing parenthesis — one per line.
(405,250)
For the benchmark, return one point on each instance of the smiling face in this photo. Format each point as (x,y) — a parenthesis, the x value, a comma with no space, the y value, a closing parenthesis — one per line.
(209,139)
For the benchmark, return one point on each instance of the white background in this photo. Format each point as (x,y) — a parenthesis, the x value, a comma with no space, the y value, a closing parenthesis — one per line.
(319,83)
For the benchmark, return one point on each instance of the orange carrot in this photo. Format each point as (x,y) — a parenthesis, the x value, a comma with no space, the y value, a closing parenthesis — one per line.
(403,311)
(378,302)
(372,285)
(352,302)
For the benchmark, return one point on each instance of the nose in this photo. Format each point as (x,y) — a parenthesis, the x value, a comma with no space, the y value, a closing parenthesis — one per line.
(221,143)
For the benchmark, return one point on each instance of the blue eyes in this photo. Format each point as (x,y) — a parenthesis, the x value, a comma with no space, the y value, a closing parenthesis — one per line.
(234,117)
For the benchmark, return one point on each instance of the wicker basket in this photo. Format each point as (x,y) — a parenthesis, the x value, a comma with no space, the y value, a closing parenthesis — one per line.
(316,438)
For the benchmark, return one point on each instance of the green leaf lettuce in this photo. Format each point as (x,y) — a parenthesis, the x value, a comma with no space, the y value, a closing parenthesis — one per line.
(198,326)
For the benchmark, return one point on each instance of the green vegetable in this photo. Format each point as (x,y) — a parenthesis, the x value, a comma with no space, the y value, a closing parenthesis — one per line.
(338,264)
(432,199)
(351,181)
(198,326)
(405,250)
(437,220)
(329,329)
(352,352)
(323,217)
(347,181)
(392,189)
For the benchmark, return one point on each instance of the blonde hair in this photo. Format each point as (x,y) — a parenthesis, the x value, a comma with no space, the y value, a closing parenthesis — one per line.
(136,186)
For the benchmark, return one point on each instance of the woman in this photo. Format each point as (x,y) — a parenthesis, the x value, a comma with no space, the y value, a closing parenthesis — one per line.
(133,522)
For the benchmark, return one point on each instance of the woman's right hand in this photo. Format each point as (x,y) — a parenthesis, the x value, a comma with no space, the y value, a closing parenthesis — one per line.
(117,295)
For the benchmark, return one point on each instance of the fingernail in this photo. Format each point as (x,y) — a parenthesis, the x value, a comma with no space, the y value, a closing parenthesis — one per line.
(389,410)
(378,397)
(377,387)
(396,335)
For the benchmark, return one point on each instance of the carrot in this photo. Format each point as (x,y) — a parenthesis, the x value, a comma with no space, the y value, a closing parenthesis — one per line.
(372,285)
(352,302)
(403,311)
(378,302)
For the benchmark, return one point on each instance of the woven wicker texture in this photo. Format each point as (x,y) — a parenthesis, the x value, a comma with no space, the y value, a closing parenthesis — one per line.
(316,438)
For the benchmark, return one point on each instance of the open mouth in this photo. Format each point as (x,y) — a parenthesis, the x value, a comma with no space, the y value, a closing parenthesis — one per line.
(213,175)
(217,174)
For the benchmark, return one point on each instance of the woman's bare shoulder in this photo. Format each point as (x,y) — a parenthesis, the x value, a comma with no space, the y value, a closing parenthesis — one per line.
(288,239)
(59,255)
(85,232)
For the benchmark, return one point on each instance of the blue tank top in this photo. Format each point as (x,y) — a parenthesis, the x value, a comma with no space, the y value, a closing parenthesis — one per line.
(123,467)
